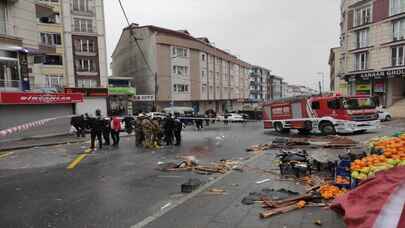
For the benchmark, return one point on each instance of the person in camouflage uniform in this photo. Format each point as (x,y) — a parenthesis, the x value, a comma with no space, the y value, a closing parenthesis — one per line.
(156,132)
(147,127)
(139,135)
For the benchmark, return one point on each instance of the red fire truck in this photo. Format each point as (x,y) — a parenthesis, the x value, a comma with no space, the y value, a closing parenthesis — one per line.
(329,114)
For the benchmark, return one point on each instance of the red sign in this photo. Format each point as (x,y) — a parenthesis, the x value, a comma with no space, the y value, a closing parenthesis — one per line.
(40,98)
(89,92)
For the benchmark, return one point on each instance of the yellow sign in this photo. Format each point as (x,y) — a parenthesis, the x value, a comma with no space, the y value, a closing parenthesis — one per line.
(363,87)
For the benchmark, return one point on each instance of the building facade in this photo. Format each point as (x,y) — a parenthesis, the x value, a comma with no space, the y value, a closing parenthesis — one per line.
(47,49)
(276,84)
(337,84)
(60,43)
(175,66)
(260,87)
(372,48)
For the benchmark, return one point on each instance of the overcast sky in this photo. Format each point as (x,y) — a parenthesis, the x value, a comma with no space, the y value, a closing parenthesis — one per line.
(290,37)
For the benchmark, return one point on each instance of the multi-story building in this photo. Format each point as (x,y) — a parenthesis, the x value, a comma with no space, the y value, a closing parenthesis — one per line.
(276,84)
(372,48)
(175,66)
(259,84)
(284,89)
(48,46)
(337,84)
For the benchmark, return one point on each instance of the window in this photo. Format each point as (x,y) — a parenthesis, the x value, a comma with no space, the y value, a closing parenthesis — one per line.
(203,75)
(399,30)
(86,65)
(179,52)
(315,105)
(334,104)
(51,39)
(362,16)
(360,61)
(3,23)
(180,88)
(87,83)
(180,70)
(204,88)
(49,0)
(362,38)
(83,25)
(203,57)
(397,6)
(84,45)
(53,81)
(81,5)
(398,56)
(53,60)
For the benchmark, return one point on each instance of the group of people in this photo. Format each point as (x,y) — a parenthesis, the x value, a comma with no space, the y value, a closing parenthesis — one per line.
(150,132)
(100,128)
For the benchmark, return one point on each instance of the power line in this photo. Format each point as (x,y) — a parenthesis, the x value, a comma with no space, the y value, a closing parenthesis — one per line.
(133,36)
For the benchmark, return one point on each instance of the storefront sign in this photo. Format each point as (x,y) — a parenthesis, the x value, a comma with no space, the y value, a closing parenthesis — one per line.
(363,87)
(89,92)
(121,91)
(378,74)
(40,98)
(144,98)
(379,87)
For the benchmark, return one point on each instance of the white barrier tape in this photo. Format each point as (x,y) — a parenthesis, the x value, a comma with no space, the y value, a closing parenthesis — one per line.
(29,125)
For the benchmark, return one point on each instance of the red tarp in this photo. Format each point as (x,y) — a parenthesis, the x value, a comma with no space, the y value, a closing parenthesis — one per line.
(361,206)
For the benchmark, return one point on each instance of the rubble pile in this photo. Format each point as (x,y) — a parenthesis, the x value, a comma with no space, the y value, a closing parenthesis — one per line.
(189,164)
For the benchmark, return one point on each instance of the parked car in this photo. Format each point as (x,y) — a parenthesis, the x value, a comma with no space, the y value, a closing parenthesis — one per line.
(158,115)
(384,115)
(231,117)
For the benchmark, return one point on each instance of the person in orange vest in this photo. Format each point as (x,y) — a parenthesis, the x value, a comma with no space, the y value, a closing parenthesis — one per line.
(115,130)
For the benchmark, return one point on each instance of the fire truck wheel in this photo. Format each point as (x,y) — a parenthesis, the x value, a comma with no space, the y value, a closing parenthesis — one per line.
(304,131)
(327,128)
(278,127)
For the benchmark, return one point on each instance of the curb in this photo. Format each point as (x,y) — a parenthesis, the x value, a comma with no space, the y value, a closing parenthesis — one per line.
(39,145)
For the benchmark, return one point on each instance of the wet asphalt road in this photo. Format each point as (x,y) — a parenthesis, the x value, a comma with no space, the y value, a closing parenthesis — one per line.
(115,187)
(111,187)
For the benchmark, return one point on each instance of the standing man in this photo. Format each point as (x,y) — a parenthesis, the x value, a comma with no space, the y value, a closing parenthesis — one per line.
(107,131)
(168,130)
(115,130)
(139,136)
(178,126)
(96,129)
(156,132)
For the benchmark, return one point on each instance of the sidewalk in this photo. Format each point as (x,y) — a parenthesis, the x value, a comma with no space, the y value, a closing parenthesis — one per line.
(39,141)
(217,211)
(398,109)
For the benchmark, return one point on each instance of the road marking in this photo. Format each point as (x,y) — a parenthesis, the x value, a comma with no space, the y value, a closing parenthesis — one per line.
(78,159)
(168,208)
(6,154)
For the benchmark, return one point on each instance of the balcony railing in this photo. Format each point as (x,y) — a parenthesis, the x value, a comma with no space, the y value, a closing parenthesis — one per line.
(17,85)
(6,28)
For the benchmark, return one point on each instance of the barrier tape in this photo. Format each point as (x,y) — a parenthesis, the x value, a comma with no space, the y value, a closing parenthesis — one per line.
(29,125)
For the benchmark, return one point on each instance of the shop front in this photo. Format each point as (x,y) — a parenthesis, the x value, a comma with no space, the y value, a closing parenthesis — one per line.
(387,86)
(22,107)
(94,98)
(119,101)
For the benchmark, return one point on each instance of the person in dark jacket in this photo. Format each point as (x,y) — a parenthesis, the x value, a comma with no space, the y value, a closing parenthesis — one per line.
(77,123)
(168,130)
(177,128)
(107,131)
(96,129)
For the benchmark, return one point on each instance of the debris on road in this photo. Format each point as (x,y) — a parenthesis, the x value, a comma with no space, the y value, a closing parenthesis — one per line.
(262,181)
(190,185)
(165,206)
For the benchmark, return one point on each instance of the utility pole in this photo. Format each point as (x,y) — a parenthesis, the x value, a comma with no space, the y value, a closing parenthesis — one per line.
(156,93)
(320,88)
(322,74)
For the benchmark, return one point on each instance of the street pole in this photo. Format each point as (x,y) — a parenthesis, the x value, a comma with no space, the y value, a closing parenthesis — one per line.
(156,92)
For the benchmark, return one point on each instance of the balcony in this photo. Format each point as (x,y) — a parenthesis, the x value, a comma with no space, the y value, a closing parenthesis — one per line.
(46,15)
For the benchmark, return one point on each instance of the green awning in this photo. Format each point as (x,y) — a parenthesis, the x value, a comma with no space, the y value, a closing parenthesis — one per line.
(121,91)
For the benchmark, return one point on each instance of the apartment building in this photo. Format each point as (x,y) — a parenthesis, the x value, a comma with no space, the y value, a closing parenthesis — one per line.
(179,67)
(63,42)
(372,55)
(260,87)
(49,46)
(337,84)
